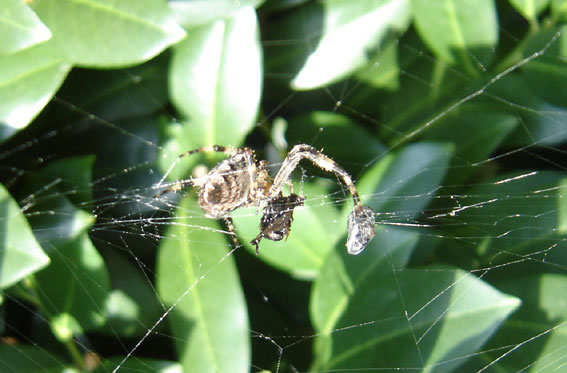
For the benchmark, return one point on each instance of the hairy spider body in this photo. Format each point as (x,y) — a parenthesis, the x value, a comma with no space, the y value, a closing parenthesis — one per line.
(242,181)
(229,185)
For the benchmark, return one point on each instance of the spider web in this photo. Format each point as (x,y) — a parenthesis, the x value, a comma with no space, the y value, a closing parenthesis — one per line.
(467,268)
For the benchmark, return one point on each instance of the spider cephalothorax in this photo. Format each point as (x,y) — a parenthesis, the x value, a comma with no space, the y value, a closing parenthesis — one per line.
(242,181)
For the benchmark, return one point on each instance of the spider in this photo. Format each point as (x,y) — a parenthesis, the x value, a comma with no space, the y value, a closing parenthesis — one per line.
(242,181)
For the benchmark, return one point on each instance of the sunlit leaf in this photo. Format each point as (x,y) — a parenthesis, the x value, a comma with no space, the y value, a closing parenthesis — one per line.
(351,32)
(140,365)
(21,253)
(28,80)
(195,274)
(459,32)
(19,27)
(191,13)
(559,9)
(215,82)
(530,9)
(383,70)
(108,33)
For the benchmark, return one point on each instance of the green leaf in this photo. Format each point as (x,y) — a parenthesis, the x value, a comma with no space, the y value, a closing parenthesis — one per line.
(459,32)
(132,305)
(530,9)
(197,13)
(540,321)
(351,30)
(340,275)
(522,228)
(402,185)
(215,82)
(75,174)
(198,278)
(20,253)
(356,148)
(19,27)
(113,95)
(54,219)
(559,9)
(383,70)
(28,80)
(476,130)
(542,122)
(380,315)
(140,365)
(99,33)
(32,359)
(546,75)
(315,230)
(74,288)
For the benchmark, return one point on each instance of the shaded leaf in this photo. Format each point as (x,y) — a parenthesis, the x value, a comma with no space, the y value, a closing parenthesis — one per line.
(542,122)
(132,304)
(74,288)
(540,321)
(546,75)
(112,95)
(194,272)
(321,129)
(20,253)
(27,358)
(459,32)
(427,317)
(102,33)
(476,130)
(402,184)
(351,31)
(75,174)
(525,208)
(19,27)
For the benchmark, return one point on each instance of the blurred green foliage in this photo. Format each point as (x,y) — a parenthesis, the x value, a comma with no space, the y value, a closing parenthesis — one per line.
(450,115)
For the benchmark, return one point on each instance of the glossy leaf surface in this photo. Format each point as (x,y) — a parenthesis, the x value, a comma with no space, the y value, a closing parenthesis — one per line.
(198,277)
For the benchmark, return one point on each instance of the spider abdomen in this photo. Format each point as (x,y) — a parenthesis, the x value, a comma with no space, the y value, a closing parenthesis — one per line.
(226,187)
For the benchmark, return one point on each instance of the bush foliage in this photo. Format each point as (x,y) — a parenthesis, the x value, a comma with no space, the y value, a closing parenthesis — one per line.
(450,115)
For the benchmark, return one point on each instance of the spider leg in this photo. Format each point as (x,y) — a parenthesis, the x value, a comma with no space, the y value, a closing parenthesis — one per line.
(256,242)
(230,225)
(228,150)
(178,185)
(303,151)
